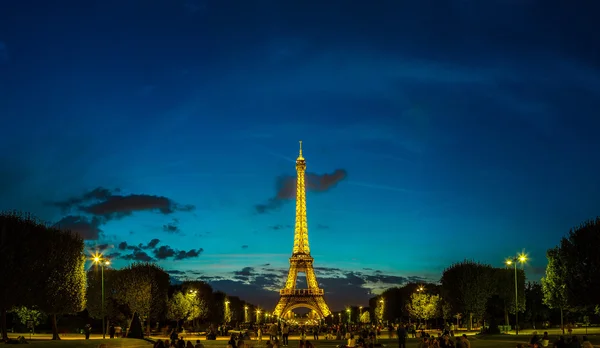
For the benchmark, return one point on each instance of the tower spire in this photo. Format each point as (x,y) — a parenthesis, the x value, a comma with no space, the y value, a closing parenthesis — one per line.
(301,260)
(301,226)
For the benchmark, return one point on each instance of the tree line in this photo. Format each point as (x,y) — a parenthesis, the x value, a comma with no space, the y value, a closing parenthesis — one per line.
(43,272)
(481,293)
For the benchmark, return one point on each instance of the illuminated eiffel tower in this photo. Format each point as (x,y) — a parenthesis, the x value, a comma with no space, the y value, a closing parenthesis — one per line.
(301,261)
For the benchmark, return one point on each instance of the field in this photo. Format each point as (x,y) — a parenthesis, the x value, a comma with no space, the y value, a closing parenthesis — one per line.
(477,341)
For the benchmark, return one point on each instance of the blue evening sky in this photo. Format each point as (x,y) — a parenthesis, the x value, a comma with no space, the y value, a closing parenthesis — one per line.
(466,129)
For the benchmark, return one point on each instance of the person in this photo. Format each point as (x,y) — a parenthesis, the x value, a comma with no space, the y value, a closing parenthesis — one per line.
(351,341)
(285,333)
(545,342)
(465,341)
(198,344)
(534,338)
(402,335)
(87,330)
(586,343)
(189,344)
(111,331)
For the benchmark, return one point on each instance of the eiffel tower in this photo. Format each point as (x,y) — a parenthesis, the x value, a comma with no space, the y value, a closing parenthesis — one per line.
(301,261)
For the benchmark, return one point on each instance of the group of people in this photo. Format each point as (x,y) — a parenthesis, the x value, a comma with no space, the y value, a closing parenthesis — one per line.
(562,342)
(443,340)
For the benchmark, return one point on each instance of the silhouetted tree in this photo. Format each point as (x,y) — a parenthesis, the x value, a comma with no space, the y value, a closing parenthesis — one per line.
(467,286)
(144,288)
(64,266)
(535,311)
(554,288)
(504,280)
(579,253)
(20,255)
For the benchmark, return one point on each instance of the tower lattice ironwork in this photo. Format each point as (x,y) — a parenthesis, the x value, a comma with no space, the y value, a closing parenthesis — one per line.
(301,260)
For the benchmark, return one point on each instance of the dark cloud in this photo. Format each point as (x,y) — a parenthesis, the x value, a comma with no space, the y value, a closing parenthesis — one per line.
(105,203)
(286,188)
(244,247)
(164,252)
(175,272)
(88,229)
(142,252)
(260,284)
(113,255)
(138,255)
(190,254)
(322,227)
(172,227)
(246,271)
(97,194)
(279,227)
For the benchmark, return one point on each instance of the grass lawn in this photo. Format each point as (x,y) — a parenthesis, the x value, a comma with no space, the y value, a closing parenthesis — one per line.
(114,343)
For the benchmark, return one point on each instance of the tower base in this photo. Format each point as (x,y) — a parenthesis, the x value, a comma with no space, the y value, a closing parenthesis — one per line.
(290,302)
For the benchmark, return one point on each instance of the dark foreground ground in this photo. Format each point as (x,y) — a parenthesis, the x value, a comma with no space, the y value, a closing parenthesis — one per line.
(495,341)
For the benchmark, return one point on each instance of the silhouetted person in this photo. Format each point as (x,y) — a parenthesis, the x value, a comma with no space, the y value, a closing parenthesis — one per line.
(111,331)
(402,335)
(87,330)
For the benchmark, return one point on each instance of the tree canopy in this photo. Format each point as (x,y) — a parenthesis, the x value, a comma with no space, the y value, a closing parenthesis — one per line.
(578,253)
(467,286)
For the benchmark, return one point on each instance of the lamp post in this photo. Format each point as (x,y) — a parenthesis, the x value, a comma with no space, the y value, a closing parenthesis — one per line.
(382,308)
(522,258)
(227,311)
(246,314)
(99,260)
(349,311)
(339,317)
(258,316)
(360,314)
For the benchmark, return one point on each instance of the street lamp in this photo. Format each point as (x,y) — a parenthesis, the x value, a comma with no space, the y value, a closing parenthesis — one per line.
(258,316)
(521,258)
(99,260)
(348,310)
(420,288)
(227,311)
(246,314)
(339,317)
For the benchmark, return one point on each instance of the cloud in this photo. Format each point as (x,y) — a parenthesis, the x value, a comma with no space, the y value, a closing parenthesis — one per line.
(172,227)
(105,203)
(279,227)
(138,255)
(153,252)
(88,229)
(286,188)
(260,284)
(244,246)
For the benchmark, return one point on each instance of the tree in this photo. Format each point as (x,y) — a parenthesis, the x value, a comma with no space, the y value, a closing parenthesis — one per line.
(579,253)
(217,309)
(179,307)
(29,314)
(505,289)
(423,306)
(20,256)
(535,311)
(554,288)
(446,310)
(467,286)
(64,267)
(202,294)
(365,317)
(114,310)
(143,288)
